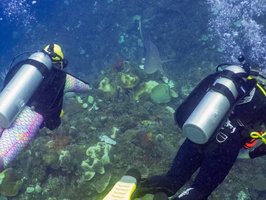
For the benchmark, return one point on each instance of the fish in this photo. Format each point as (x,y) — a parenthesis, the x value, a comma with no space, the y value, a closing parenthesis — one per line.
(152,57)
(153,60)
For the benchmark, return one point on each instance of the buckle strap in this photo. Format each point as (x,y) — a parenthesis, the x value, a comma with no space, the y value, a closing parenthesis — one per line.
(221,137)
(228,128)
(228,124)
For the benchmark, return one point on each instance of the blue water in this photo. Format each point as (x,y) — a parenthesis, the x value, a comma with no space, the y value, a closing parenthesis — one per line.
(93,34)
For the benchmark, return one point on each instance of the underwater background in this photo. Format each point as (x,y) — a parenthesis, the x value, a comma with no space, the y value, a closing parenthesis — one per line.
(126,120)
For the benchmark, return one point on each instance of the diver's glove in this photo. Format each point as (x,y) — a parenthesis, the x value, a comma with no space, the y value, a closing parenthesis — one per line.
(259,151)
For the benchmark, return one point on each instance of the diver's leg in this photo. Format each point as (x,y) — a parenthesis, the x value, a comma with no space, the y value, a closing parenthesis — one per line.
(186,162)
(214,168)
(18,135)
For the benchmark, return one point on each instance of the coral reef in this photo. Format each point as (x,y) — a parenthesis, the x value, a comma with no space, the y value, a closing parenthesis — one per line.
(95,145)
(9,185)
(98,157)
(129,81)
(160,93)
(105,86)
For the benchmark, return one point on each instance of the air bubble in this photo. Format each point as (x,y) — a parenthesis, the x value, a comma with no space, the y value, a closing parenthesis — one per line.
(18,12)
(247,37)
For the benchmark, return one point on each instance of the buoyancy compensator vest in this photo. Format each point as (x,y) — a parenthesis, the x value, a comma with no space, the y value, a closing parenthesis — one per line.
(207,107)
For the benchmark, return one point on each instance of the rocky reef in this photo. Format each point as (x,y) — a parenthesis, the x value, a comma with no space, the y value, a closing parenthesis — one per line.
(120,123)
(105,132)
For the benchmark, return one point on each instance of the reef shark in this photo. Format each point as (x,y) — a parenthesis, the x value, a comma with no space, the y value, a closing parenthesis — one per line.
(153,60)
(152,57)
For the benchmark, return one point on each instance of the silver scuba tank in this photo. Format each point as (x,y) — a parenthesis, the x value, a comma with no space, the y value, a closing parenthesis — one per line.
(21,87)
(211,110)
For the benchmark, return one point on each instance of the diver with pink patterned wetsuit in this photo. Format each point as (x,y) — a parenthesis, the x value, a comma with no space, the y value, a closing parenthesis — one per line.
(32,98)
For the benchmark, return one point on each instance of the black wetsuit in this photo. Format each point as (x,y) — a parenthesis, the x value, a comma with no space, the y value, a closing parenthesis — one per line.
(48,98)
(214,159)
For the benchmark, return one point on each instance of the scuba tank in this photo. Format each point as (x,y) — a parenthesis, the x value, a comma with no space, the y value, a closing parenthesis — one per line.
(215,104)
(21,87)
(212,108)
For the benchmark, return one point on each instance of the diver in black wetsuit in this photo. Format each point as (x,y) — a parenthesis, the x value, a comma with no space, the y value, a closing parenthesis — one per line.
(215,156)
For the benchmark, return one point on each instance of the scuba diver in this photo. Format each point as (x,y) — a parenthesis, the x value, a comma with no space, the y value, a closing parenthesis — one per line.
(32,98)
(217,118)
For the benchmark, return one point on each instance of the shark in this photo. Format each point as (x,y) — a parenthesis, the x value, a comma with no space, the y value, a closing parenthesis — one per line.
(152,57)
(153,60)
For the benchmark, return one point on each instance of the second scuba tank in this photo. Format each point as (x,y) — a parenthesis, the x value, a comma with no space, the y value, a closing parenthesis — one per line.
(214,106)
(21,87)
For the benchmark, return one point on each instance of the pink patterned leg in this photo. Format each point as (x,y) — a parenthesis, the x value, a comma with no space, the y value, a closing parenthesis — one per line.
(75,85)
(18,135)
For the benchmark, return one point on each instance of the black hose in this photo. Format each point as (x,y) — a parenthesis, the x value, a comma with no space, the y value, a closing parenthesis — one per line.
(11,63)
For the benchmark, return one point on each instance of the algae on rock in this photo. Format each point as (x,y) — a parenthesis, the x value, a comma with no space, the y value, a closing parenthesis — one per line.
(161,93)
(9,186)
